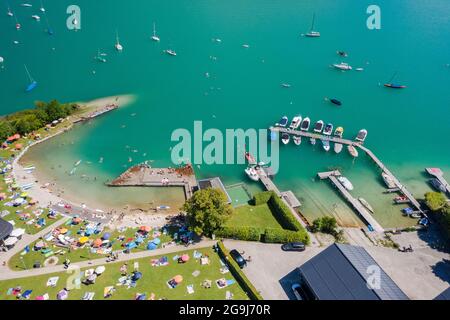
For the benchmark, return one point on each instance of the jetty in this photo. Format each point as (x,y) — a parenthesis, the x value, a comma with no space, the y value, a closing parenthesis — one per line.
(98,112)
(363,212)
(399,186)
(438,174)
(143,175)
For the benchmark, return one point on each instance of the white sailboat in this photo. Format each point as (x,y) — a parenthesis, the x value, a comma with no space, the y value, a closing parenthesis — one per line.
(118,46)
(312,33)
(42,9)
(155,37)
(9,12)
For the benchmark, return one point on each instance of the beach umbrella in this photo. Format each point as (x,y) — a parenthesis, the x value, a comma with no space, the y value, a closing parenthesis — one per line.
(145,228)
(106,236)
(151,246)
(76,220)
(62,295)
(185,258)
(136,276)
(156,241)
(97,243)
(178,279)
(83,240)
(24,194)
(99,270)
(139,240)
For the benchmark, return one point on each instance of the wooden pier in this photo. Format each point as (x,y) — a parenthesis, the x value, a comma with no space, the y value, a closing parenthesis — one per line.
(378,162)
(143,175)
(363,212)
(438,174)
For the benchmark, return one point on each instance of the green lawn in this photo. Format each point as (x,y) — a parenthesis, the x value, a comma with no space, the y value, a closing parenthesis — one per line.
(253,216)
(153,281)
(20,262)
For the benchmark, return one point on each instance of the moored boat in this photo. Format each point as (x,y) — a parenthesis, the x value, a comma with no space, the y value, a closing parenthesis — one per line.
(439,186)
(362,135)
(154,36)
(118,46)
(318,127)
(296,121)
(252,173)
(283,122)
(33,84)
(401,199)
(250,159)
(352,150)
(328,129)
(285,138)
(366,204)
(171,52)
(297,140)
(313,141)
(336,102)
(388,180)
(312,33)
(342,66)
(285,85)
(326,145)
(346,183)
(394,86)
(339,132)
(305,124)
(338,147)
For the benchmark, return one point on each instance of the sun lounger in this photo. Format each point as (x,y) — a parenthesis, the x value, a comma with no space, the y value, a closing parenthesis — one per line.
(228,295)
(197,255)
(190,289)
(224,270)
(51,282)
(136,266)
(223,283)
(196,273)
(88,296)
(204,261)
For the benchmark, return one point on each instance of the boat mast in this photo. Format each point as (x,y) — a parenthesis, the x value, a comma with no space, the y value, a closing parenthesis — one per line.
(313,21)
(117,37)
(154,29)
(393,76)
(28,73)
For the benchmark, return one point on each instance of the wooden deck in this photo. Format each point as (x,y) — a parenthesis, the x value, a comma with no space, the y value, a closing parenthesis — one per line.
(363,212)
(438,174)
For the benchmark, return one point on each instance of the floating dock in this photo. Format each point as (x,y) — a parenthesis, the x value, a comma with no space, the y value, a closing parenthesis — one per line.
(363,212)
(98,113)
(438,174)
(143,175)
(401,188)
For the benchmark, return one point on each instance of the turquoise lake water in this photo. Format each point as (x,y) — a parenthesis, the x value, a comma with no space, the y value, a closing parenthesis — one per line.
(408,129)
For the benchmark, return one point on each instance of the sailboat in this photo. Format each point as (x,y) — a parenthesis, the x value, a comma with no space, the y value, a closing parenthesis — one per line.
(155,37)
(392,85)
(18,25)
(42,9)
(118,46)
(312,33)
(49,29)
(9,12)
(33,84)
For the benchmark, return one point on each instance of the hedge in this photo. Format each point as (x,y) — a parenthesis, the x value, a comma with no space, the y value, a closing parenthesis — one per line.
(240,233)
(284,214)
(262,197)
(237,273)
(272,235)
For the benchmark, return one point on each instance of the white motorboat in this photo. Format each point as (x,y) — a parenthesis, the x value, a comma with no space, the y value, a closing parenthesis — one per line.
(326,145)
(352,150)
(297,140)
(346,183)
(36,17)
(154,36)
(338,147)
(285,85)
(313,141)
(296,121)
(362,135)
(285,138)
(9,12)
(328,129)
(388,180)
(252,173)
(305,124)
(318,127)
(342,66)
(366,204)
(171,52)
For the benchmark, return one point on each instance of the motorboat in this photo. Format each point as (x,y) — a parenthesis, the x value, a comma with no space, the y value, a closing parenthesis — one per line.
(36,17)
(313,141)
(285,138)
(336,102)
(342,53)
(154,36)
(394,86)
(388,180)
(250,158)
(328,129)
(362,135)
(339,132)
(171,52)
(9,12)
(438,185)
(296,121)
(346,183)
(359,69)
(246,46)
(297,140)
(352,150)
(252,173)
(342,66)
(401,199)
(312,33)
(286,85)
(326,145)
(366,204)
(338,147)
(283,122)
(305,124)
(318,127)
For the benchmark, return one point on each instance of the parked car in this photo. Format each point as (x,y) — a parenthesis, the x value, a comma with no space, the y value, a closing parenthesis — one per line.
(296,289)
(238,258)
(293,246)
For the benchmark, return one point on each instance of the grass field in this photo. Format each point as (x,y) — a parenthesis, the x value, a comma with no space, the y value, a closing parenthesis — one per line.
(154,280)
(253,216)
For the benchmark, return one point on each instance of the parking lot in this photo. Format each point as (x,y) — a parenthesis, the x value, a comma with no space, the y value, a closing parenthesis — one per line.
(271,270)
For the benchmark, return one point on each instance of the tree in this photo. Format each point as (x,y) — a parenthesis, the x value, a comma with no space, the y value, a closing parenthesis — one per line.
(207,211)
(435,200)
(325,224)
(6,130)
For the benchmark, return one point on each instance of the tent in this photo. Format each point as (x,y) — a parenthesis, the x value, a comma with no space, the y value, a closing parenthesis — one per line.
(185,258)
(62,295)
(151,246)
(106,236)
(156,241)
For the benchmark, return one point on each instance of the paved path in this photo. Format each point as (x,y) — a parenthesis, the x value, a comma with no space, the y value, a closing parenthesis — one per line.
(9,274)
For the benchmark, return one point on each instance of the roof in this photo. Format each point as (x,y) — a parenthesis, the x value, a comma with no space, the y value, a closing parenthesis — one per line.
(343,272)
(5,229)
(445,295)
(214,183)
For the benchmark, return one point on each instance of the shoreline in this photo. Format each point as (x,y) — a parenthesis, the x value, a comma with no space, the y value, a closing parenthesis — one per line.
(48,197)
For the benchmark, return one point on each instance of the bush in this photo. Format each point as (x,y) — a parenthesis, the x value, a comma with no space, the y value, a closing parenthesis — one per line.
(284,214)
(262,198)
(238,274)
(272,235)
(240,233)
(325,224)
